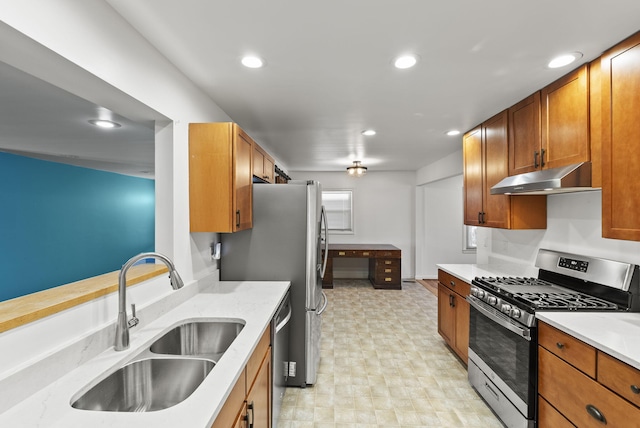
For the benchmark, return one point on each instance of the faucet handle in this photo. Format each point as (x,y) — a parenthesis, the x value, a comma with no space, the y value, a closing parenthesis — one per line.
(134,320)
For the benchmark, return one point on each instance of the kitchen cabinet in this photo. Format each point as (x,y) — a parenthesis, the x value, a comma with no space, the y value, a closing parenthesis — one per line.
(485,153)
(263,165)
(249,403)
(551,127)
(582,385)
(621,140)
(220,178)
(453,313)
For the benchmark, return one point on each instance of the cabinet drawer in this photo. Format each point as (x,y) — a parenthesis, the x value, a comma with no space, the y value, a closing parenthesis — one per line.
(570,349)
(253,365)
(454,283)
(572,393)
(619,377)
(548,416)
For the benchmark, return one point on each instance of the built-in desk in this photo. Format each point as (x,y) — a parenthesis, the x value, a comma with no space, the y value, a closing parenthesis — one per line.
(384,263)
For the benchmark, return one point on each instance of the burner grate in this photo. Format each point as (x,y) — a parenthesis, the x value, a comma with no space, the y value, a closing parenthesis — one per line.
(570,301)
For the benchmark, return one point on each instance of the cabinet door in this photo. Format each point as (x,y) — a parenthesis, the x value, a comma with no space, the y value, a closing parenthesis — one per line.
(259,397)
(269,169)
(461,327)
(473,171)
(565,120)
(496,207)
(621,140)
(524,135)
(446,315)
(243,181)
(258,162)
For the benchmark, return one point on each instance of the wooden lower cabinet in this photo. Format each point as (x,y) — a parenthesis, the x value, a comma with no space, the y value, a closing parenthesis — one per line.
(568,395)
(453,313)
(249,403)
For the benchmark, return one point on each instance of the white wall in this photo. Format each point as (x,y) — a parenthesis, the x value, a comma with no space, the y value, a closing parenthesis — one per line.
(439,231)
(384,213)
(574,224)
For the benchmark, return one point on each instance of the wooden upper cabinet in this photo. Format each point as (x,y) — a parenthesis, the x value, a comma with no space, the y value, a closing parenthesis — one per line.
(220,178)
(263,165)
(621,140)
(551,127)
(524,135)
(565,120)
(485,153)
(473,176)
(495,139)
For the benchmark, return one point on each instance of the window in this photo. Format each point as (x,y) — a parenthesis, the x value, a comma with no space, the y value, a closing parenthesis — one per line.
(338,204)
(469,240)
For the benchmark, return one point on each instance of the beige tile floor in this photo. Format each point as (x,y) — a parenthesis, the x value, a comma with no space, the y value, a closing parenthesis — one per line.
(383,364)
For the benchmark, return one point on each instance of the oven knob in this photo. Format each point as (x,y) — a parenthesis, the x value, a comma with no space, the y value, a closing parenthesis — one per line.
(515,313)
(506,308)
(492,300)
(480,294)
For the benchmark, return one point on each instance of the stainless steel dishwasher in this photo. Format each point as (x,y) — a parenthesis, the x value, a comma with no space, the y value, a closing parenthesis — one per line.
(280,356)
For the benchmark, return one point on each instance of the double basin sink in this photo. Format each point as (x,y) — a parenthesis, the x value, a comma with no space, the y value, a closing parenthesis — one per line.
(166,373)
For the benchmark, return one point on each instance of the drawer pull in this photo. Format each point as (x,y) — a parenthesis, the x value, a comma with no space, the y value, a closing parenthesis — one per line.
(341,253)
(387,271)
(560,345)
(596,414)
(387,279)
(453,283)
(365,253)
(635,389)
(387,262)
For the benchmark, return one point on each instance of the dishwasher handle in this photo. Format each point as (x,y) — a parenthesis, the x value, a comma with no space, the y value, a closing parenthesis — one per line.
(285,321)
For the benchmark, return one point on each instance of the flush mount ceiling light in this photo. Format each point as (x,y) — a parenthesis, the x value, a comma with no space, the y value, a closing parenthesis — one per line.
(250,61)
(356,170)
(107,124)
(368,132)
(405,61)
(565,59)
(453,132)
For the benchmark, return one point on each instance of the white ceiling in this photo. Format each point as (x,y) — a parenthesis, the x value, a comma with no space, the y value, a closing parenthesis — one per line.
(329,72)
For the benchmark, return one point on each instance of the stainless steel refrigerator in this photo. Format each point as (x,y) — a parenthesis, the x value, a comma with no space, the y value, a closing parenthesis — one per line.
(286,243)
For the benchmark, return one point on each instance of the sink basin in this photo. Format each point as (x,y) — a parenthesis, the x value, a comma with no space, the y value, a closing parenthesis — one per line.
(146,385)
(209,339)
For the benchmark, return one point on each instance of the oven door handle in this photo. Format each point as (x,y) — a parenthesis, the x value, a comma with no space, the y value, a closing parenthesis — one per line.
(521,331)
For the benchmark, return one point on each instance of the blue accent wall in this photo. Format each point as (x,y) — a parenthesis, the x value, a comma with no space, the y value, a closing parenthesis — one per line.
(61,223)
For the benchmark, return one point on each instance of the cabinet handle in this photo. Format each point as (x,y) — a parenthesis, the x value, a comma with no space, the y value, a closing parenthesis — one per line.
(479,217)
(560,345)
(535,159)
(452,299)
(542,158)
(238,218)
(453,283)
(484,220)
(635,389)
(250,414)
(596,414)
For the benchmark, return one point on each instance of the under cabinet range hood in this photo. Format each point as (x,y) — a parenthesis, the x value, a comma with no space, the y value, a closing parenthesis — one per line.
(571,178)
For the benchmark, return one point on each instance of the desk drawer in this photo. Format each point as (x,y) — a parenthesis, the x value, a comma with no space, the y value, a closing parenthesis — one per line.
(389,254)
(352,253)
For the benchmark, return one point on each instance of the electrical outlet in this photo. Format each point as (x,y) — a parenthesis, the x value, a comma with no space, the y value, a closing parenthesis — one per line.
(292,369)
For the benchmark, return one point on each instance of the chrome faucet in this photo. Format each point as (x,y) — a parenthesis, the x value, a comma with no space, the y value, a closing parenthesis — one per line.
(122,325)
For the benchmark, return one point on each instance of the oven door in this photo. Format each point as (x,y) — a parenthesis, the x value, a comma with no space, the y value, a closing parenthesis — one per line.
(505,351)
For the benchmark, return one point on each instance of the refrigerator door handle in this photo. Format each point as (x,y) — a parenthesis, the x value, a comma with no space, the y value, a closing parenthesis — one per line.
(324,306)
(323,219)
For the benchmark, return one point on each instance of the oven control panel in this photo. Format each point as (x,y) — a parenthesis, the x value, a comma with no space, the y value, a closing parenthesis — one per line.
(573,264)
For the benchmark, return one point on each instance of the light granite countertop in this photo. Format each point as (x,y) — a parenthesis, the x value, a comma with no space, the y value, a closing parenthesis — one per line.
(253,303)
(617,334)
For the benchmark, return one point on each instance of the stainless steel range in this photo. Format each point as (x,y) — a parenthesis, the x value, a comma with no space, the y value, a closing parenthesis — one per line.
(502,328)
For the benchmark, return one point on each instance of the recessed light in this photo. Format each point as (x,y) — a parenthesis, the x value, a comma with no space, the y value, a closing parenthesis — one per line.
(453,132)
(565,59)
(102,123)
(368,132)
(252,62)
(405,61)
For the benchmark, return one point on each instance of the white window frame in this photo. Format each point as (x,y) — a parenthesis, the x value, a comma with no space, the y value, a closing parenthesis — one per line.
(469,239)
(350,228)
